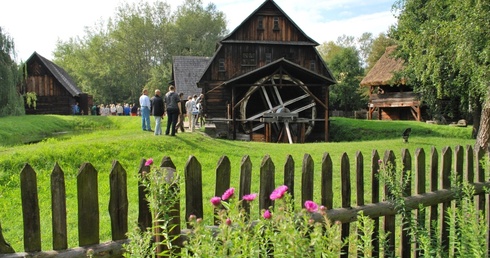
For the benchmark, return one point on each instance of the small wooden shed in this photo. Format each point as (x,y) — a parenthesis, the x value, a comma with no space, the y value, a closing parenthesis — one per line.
(55,90)
(392,100)
(267,82)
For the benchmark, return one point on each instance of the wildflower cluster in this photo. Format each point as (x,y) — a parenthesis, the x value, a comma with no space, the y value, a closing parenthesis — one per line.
(279,230)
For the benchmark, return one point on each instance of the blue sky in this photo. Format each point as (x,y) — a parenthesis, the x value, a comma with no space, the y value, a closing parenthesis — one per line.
(37,25)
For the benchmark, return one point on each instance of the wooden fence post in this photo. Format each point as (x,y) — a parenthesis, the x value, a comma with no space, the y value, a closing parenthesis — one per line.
(118,201)
(30,209)
(420,178)
(346,198)
(406,177)
(223,177)
(307,179)
(144,212)
(434,186)
(5,247)
(359,189)
(327,181)
(267,183)
(88,205)
(446,184)
(58,209)
(245,181)
(389,220)
(193,189)
(289,174)
(375,162)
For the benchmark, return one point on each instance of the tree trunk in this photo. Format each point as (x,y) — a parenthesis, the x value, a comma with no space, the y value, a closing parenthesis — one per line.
(476,118)
(484,133)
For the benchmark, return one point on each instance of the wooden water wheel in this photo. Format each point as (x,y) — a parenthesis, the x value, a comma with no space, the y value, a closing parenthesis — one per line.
(269,96)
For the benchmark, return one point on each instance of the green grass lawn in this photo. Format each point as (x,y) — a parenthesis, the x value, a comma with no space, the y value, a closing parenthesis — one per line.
(70,141)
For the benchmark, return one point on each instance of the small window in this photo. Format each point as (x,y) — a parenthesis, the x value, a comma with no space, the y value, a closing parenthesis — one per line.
(276,23)
(260,25)
(313,65)
(268,58)
(248,59)
(221,65)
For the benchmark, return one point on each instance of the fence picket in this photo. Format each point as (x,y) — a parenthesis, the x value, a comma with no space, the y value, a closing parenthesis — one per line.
(446,184)
(307,179)
(193,188)
(245,181)
(420,179)
(289,174)
(375,199)
(359,189)
(434,186)
(144,213)
(406,177)
(30,209)
(118,201)
(346,198)
(267,182)
(5,247)
(223,174)
(58,209)
(88,205)
(389,220)
(327,181)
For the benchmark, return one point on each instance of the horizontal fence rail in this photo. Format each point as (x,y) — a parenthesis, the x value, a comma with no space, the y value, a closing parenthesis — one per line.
(429,186)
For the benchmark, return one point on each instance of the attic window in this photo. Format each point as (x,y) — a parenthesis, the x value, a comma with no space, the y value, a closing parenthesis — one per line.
(276,23)
(260,25)
(313,65)
(221,65)
(248,59)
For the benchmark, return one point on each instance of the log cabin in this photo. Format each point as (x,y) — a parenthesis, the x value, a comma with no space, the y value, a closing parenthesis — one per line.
(392,100)
(55,90)
(267,82)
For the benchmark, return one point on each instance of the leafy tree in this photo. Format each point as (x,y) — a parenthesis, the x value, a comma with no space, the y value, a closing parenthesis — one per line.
(446,46)
(346,67)
(365,45)
(377,49)
(11,103)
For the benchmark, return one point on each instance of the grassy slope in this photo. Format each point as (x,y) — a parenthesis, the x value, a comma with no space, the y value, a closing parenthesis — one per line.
(105,139)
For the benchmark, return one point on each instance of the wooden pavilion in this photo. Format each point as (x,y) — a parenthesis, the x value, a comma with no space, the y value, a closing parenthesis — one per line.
(267,82)
(393,100)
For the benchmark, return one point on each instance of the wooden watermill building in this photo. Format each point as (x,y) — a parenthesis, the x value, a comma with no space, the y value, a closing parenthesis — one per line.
(267,82)
(55,90)
(392,100)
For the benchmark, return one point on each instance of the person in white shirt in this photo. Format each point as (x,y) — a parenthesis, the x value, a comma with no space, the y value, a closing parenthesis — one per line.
(145,106)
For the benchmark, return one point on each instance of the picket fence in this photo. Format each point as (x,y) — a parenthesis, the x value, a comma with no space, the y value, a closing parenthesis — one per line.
(464,162)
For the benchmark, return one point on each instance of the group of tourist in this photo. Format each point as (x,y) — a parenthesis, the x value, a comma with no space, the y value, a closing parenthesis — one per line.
(115,110)
(172,105)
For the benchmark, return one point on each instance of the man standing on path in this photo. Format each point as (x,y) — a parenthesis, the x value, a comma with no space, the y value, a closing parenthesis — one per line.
(180,124)
(145,111)
(172,107)
(157,110)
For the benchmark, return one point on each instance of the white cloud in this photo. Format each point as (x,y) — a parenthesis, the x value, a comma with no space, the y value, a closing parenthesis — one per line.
(37,25)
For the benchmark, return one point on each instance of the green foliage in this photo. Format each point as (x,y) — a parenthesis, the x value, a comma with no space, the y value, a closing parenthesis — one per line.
(445,44)
(11,103)
(377,49)
(31,99)
(134,49)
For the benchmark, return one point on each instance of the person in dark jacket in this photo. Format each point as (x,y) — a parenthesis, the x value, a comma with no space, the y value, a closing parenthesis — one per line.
(172,107)
(158,111)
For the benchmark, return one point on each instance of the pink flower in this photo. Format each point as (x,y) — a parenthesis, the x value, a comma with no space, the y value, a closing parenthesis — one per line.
(228,221)
(192,217)
(216,201)
(149,162)
(267,214)
(249,197)
(279,192)
(311,206)
(228,194)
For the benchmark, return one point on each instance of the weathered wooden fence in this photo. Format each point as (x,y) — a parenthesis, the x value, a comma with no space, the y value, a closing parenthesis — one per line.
(463,162)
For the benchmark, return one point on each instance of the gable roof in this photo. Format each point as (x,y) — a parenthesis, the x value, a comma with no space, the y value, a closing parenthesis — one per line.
(311,41)
(59,73)
(186,72)
(383,71)
(301,73)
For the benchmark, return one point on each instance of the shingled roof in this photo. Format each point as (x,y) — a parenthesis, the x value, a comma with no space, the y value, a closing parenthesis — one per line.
(187,71)
(59,73)
(384,69)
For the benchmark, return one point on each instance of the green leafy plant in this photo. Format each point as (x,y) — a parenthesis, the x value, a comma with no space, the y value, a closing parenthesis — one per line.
(31,99)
